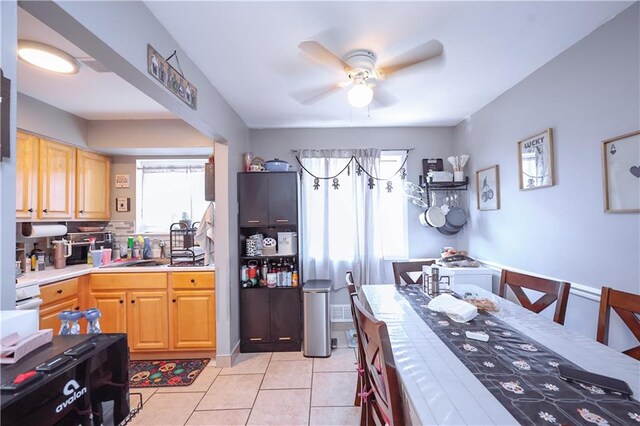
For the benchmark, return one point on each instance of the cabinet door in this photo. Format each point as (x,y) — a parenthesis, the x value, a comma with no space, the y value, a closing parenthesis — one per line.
(253,196)
(92,186)
(113,307)
(285,315)
(49,314)
(26,175)
(56,177)
(193,318)
(254,315)
(283,198)
(148,320)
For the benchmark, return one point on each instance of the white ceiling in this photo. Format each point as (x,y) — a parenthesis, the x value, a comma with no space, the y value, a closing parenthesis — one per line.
(248,51)
(88,94)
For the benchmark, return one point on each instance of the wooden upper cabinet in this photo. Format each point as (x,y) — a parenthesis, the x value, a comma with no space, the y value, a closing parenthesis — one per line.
(92,186)
(56,179)
(26,175)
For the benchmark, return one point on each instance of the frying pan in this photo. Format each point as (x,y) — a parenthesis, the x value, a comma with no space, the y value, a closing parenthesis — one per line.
(444,231)
(456,217)
(434,214)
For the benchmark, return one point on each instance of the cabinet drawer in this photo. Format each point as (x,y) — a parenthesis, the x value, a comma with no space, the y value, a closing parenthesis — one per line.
(134,281)
(193,280)
(53,293)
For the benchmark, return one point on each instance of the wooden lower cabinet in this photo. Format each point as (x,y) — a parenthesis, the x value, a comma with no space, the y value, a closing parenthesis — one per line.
(113,307)
(148,325)
(156,316)
(193,317)
(270,319)
(49,314)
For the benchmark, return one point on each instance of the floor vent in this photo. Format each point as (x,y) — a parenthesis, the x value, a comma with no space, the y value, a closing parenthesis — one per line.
(341,313)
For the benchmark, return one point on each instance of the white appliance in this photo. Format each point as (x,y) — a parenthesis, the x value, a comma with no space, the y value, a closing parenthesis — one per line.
(28,297)
(480,277)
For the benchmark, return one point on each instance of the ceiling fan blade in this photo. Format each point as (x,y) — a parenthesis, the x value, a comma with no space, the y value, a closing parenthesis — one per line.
(419,54)
(322,54)
(316,94)
(382,98)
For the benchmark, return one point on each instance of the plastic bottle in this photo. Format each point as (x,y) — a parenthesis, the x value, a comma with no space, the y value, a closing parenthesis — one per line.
(93,324)
(65,326)
(129,247)
(92,247)
(74,324)
(294,279)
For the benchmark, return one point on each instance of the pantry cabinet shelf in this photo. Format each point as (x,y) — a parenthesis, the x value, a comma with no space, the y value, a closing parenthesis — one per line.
(274,256)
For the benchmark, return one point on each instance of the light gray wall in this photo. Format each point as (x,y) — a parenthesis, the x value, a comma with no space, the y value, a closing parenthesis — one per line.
(429,142)
(43,119)
(171,137)
(116,34)
(589,93)
(8,60)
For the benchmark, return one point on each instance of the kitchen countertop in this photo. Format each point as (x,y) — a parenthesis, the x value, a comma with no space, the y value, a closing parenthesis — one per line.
(50,274)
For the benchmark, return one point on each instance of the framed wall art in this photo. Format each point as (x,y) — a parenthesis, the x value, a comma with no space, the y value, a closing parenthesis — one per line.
(535,161)
(173,80)
(621,173)
(488,188)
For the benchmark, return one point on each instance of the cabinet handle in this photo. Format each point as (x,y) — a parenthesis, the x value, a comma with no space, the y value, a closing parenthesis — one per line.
(173,300)
(282,220)
(193,281)
(255,339)
(121,301)
(133,301)
(30,210)
(253,221)
(284,338)
(81,212)
(59,291)
(45,210)
(77,308)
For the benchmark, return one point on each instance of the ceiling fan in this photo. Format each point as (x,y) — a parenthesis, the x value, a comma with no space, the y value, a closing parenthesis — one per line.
(362,70)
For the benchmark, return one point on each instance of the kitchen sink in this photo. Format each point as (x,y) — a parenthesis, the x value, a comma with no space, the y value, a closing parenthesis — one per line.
(138,263)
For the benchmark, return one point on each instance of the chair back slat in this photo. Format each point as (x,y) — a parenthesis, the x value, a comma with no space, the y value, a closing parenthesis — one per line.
(384,406)
(351,284)
(554,291)
(627,306)
(401,271)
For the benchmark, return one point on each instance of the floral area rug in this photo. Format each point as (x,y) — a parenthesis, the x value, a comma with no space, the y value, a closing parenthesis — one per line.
(165,373)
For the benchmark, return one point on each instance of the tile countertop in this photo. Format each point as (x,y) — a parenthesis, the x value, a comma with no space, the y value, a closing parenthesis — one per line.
(50,274)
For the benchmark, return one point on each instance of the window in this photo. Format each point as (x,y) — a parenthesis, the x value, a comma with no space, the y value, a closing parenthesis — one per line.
(393,207)
(168,191)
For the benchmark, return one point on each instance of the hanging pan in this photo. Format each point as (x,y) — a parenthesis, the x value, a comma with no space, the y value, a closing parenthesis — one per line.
(434,214)
(456,217)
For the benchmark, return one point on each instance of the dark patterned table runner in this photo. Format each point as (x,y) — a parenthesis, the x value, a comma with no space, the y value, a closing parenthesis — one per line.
(521,373)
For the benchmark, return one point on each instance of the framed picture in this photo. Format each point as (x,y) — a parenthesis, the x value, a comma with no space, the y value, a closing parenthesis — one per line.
(158,67)
(488,188)
(535,161)
(621,173)
(123,204)
(122,181)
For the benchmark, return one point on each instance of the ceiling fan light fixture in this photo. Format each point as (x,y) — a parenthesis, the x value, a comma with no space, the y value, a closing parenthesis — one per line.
(47,57)
(360,95)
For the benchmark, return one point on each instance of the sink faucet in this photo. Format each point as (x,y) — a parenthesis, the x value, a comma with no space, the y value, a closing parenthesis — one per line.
(162,245)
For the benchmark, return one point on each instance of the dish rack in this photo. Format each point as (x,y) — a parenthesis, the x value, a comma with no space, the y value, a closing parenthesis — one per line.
(182,249)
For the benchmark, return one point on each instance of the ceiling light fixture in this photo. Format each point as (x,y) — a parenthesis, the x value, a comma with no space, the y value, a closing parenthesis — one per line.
(360,95)
(47,57)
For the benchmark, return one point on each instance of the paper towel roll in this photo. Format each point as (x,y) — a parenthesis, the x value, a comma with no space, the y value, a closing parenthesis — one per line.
(39,230)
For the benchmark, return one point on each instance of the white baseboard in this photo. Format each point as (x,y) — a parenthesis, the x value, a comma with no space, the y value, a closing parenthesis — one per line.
(577,289)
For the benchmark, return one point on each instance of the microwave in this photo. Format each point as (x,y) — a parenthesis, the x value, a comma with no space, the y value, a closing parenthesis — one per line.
(80,245)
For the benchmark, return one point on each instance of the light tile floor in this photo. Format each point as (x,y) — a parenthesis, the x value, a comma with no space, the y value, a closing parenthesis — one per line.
(282,388)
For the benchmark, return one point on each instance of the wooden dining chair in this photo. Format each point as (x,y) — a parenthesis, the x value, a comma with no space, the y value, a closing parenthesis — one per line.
(353,293)
(553,291)
(401,271)
(382,398)
(627,306)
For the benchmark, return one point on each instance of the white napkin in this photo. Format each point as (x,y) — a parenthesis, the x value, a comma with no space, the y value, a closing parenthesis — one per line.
(456,309)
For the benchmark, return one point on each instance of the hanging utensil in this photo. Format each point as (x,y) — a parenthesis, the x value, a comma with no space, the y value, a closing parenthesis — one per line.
(435,217)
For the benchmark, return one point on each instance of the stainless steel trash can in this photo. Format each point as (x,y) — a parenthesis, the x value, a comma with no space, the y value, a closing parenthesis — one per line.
(317,326)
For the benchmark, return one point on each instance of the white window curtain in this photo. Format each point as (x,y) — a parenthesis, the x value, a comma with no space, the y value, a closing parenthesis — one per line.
(341,230)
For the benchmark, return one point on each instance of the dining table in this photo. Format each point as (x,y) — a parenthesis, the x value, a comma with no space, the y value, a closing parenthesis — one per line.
(448,379)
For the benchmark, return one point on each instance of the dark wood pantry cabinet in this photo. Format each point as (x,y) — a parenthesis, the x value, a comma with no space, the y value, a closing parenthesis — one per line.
(270,318)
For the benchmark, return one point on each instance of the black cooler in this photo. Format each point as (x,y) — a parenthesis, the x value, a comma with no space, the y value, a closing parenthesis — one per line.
(81,379)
